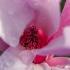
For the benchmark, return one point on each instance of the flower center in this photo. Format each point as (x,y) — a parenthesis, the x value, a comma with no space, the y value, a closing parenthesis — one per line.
(33,38)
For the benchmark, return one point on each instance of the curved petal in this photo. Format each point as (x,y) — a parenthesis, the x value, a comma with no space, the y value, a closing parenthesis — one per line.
(47,20)
(16,14)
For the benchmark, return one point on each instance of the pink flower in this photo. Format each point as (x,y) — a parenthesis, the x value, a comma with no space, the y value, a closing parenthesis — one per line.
(16,16)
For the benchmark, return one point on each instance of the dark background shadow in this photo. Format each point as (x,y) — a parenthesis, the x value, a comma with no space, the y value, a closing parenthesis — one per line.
(62,3)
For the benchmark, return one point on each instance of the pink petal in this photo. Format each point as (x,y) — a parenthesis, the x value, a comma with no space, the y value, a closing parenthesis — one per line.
(61,61)
(47,20)
(51,60)
(65,17)
(57,46)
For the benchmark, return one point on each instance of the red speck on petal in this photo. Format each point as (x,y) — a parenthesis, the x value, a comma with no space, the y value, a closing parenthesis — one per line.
(33,38)
(39,59)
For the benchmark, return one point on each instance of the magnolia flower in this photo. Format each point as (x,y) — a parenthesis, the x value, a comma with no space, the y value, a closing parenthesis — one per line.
(18,18)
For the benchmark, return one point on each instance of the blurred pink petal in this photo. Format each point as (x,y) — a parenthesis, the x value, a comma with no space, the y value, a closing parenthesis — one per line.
(65,16)
(58,61)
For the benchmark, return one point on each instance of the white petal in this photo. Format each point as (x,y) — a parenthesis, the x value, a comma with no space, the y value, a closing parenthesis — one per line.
(26,57)
(9,62)
(35,67)
(15,15)
(46,66)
